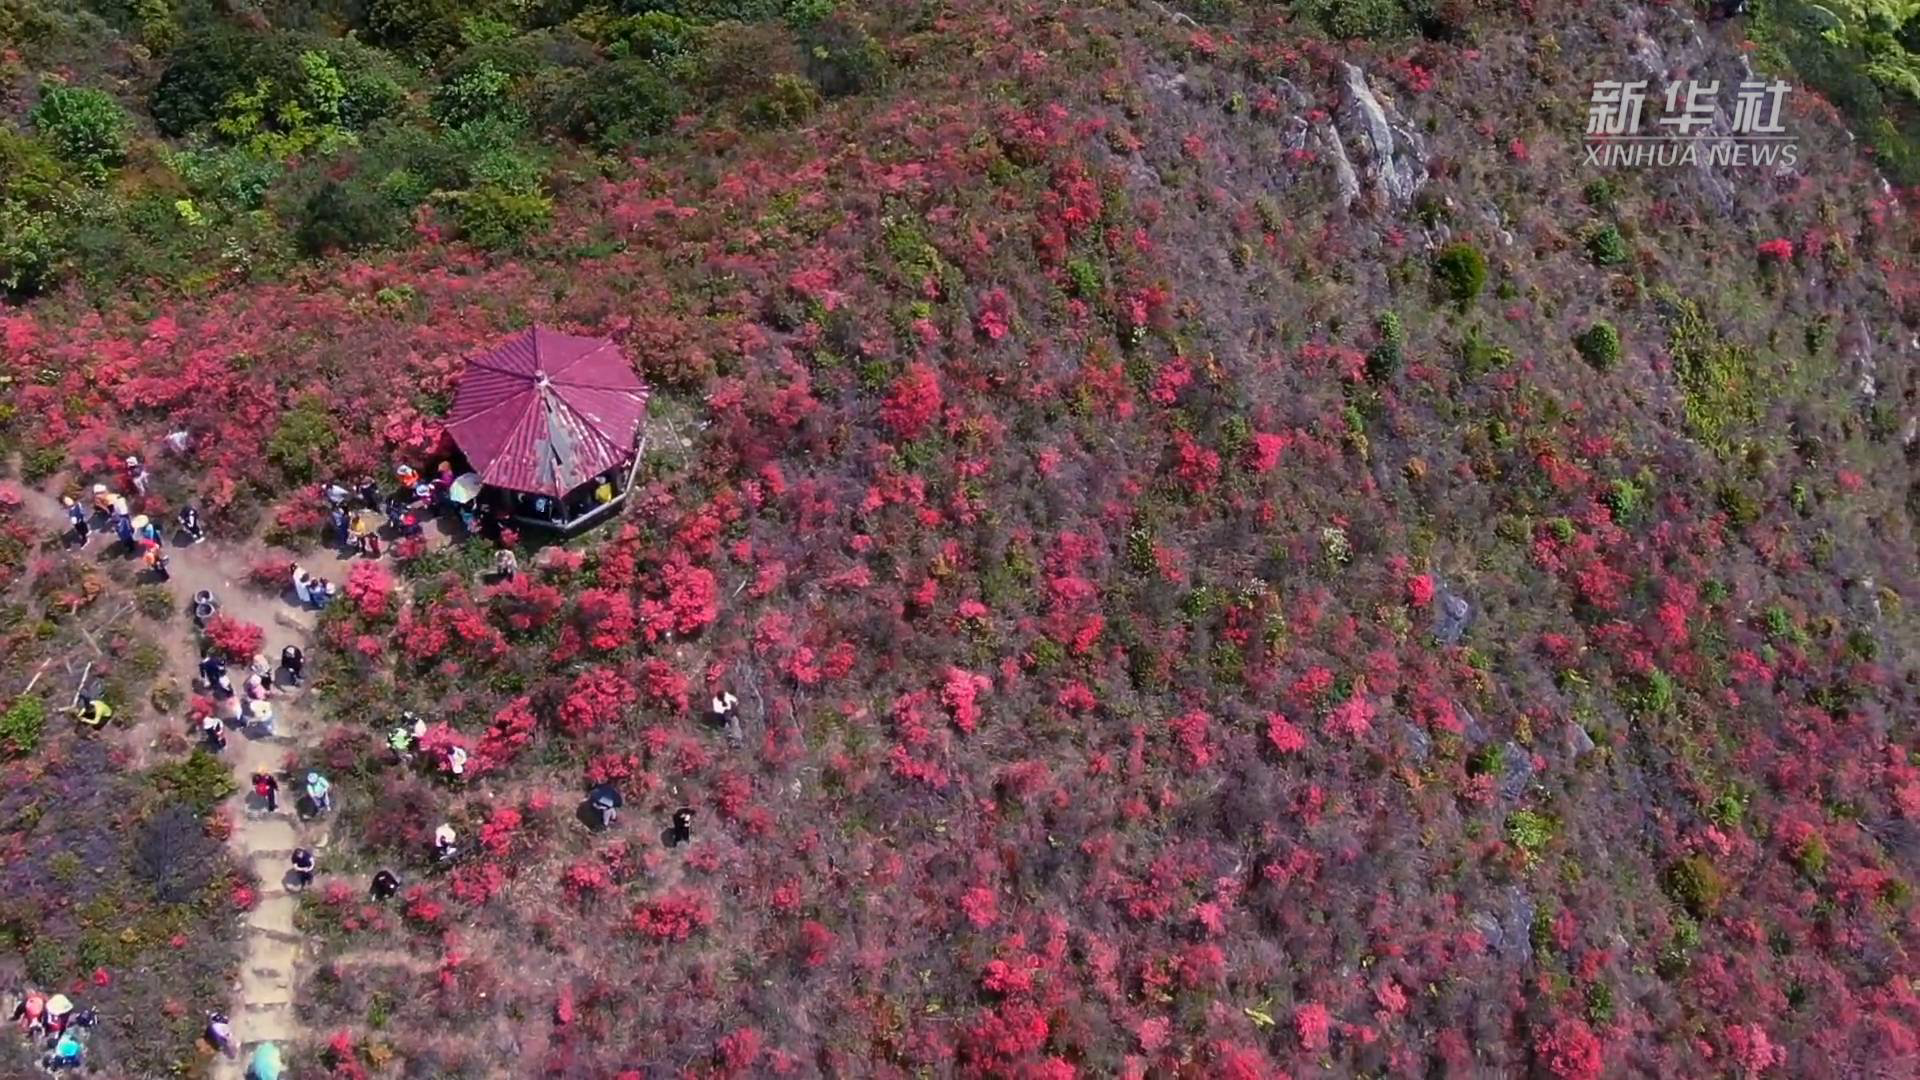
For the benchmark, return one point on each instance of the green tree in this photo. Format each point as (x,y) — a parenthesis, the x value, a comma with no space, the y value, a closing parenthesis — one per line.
(1606,247)
(304,439)
(1599,345)
(345,215)
(30,244)
(86,127)
(483,92)
(619,103)
(1460,271)
(490,217)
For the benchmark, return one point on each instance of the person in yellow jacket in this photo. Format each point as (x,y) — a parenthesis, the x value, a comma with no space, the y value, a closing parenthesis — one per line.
(93,712)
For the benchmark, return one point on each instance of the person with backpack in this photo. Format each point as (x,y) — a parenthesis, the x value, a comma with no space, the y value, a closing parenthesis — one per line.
(67,1054)
(190,524)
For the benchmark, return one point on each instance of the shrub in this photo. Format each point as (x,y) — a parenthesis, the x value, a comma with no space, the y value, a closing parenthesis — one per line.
(29,171)
(1599,345)
(20,726)
(617,104)
(1460,272)
(842,58)
(210,67)
(202,781)
(1606,247)
(428,29)
(172,851)
(1478,356)
(347,216)
(491,217)
(1346,19)
(1529,831)
(483,92)
(86,127)
(1385,358)
(1696,884)
(236,639)
(1721,379)
(304,440)
(791,100)
(155,602)
(30,245)
(654,35)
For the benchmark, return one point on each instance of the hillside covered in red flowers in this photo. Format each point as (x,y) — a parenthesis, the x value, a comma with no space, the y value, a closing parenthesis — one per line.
(1191,617)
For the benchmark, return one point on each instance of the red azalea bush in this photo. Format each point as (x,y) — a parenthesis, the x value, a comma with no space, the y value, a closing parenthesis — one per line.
(236,639)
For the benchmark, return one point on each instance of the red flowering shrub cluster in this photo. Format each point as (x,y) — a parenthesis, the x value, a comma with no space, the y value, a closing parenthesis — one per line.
(236,639)
(672,916)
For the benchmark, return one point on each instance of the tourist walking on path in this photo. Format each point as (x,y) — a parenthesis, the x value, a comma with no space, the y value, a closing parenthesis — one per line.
(320,792)
(267,786)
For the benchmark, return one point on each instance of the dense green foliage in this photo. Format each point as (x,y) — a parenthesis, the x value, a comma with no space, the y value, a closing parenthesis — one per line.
(85,127)
(244,144)
(1460,272)
(1599,345)
(20,726)
(1862,55)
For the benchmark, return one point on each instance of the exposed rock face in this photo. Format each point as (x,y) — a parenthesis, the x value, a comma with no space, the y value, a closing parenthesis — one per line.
(1396,156)
(1344,178)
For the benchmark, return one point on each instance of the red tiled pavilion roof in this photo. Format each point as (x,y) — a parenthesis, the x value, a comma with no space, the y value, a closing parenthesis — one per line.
(545,412)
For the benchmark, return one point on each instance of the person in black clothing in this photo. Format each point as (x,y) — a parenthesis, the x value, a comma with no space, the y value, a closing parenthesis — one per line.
(682,830)
(385,885)
(302,867)
(212,669)
(295,661)
(190,524)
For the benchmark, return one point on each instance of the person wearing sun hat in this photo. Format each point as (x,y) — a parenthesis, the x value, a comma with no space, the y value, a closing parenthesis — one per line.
(77,517)
(260,715)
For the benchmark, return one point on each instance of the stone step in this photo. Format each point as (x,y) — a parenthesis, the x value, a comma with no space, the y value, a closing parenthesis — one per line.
(274,914)
(270,831)
(268,998)
(285,937)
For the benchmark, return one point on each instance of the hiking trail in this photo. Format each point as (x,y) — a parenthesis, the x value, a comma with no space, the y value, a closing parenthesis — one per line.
(262,1007)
